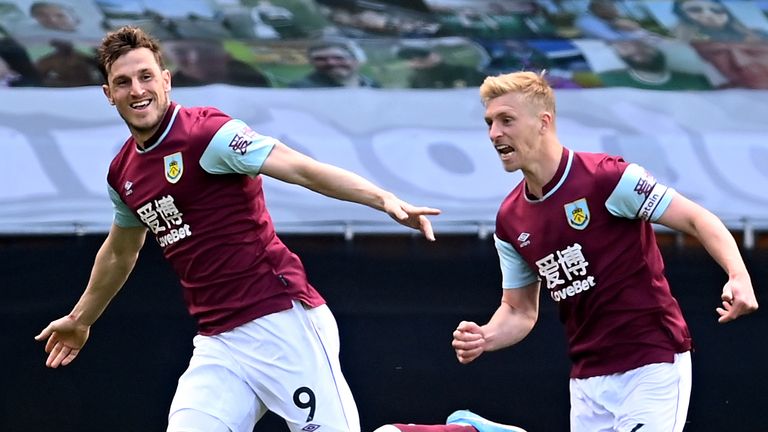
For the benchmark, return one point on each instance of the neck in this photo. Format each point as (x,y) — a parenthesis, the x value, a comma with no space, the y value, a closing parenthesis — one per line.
(543,170)
(142,136)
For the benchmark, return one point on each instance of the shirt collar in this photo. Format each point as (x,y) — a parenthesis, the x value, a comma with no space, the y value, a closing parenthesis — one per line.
(162,130)
(557,179)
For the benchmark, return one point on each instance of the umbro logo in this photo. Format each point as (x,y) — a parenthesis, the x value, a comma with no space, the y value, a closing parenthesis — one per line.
(127,187)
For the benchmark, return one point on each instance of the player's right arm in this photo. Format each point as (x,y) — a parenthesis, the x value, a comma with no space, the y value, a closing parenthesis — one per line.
(510,324)
(260,154)
(513,319)
(114,262)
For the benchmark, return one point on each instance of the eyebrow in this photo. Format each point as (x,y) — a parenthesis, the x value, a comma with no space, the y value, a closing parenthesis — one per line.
(141,71)
(489,119)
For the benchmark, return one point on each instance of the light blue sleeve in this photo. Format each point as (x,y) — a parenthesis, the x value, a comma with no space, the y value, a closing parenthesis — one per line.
(515,273)
(236,149)
(639,196)
(123,218)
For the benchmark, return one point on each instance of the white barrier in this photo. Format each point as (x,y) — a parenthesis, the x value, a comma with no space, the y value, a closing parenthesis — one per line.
(429,147)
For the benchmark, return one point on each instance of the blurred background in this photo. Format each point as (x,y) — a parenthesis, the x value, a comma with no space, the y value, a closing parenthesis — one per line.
(387,89)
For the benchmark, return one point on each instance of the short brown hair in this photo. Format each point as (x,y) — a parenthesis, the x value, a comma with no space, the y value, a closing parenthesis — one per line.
(532,86)
(123,40)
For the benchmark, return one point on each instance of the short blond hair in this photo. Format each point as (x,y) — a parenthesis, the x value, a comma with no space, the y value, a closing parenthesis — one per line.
(532,86)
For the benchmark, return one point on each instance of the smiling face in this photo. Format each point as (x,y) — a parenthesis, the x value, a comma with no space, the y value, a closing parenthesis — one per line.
(516,128)
(138,88)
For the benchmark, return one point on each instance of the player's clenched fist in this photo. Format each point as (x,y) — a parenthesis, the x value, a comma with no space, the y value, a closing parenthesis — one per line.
(468,341)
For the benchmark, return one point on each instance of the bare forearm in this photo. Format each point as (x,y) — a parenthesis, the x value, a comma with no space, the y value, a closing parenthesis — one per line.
(507,327)
(291,166)
(738,295)
(719,243)
(347,186)
(686,216)
(109,273)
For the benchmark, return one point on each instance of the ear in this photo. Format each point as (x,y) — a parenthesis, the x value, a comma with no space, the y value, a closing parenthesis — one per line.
(545,119)
(107,93)
(166,80)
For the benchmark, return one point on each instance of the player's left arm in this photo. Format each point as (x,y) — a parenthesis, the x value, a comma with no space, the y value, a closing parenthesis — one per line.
(738,297)
(288,165)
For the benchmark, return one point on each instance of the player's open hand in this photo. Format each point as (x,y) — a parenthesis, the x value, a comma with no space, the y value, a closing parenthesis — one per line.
(468,341)
(412,216)
(65,338)
(738,299)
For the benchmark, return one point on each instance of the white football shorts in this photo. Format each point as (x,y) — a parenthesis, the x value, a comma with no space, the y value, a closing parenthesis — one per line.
(651,398)
(286,362)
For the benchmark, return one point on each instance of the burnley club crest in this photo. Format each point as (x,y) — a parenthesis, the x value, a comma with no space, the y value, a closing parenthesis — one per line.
(174,167)
(577,213)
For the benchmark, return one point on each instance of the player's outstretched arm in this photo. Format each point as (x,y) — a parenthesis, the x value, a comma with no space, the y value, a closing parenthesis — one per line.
(66,336)
(510,324)
(290,166)
(738,296)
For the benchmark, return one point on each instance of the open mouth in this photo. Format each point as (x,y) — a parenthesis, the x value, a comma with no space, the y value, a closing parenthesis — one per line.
(504,149)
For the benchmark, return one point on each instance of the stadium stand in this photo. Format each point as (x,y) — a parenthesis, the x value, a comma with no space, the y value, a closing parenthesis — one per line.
(466,33)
